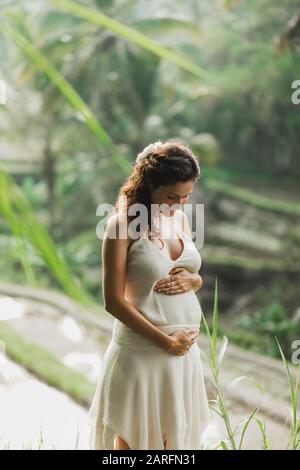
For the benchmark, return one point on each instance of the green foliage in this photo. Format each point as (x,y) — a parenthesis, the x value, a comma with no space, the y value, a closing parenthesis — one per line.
(26,229)
(294,440)
(252,198)
(132,72)
(219,405)
(272,321)
(128,33)
(235,436)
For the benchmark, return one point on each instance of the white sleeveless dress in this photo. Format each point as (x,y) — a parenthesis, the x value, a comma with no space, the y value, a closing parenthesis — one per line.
(144,394)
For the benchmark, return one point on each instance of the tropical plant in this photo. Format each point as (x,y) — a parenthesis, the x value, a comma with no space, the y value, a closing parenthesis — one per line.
(219,404)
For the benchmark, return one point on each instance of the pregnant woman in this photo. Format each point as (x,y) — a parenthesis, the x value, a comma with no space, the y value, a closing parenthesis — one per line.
(150,392)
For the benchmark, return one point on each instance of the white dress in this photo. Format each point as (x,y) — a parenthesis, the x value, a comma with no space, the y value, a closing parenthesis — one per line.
(144,394)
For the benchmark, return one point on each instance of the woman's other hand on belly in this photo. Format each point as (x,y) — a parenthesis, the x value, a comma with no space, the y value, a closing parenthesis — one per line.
(178,281)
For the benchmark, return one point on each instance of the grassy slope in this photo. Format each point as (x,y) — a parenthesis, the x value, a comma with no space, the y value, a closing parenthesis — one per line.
(45,366)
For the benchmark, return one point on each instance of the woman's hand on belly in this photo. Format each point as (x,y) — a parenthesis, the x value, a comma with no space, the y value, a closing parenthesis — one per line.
(178,281)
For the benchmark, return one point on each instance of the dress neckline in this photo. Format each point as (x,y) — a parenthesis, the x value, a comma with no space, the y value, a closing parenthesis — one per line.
(182,236)
(162,251)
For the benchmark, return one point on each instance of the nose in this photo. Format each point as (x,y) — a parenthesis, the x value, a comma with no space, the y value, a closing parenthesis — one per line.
(181,201)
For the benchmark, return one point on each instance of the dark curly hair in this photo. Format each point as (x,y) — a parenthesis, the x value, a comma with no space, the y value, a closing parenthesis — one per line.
(173,162)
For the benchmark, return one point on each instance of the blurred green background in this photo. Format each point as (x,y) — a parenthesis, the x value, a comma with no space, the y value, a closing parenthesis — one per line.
(89,84)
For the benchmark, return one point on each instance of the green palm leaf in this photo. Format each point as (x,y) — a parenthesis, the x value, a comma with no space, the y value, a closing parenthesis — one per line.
(99,18)
(84,112)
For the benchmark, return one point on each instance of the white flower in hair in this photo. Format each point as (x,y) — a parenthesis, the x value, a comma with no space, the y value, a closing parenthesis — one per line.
(147,150)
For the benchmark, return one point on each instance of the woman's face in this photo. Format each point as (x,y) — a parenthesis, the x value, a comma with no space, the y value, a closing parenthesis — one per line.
(177,194)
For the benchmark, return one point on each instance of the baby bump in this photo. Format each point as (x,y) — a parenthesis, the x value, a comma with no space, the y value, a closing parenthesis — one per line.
(166,309)
(180,308)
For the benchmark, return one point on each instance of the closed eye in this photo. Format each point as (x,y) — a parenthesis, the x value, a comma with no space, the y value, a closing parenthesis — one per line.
(176,197)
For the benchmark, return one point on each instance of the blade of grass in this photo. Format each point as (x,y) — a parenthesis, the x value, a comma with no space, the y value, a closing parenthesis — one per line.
(246,427)
(293,394)
(215,322)
(262,427)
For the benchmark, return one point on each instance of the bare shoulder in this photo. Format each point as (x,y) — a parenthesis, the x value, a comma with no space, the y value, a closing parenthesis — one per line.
(116,225)
(183,222)
(117,229)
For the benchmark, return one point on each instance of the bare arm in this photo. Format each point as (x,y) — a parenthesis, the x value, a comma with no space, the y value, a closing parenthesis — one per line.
(114,263)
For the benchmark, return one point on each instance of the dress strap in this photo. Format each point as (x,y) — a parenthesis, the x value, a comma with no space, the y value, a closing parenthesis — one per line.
(178,226)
